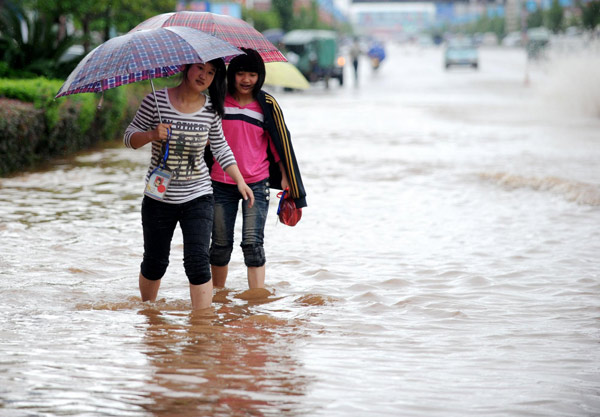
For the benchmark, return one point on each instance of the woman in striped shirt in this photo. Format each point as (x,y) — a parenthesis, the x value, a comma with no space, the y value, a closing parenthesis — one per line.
(178,184)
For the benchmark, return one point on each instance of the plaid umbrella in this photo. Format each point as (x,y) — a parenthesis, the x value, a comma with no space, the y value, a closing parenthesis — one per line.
(230,29)
(143,55)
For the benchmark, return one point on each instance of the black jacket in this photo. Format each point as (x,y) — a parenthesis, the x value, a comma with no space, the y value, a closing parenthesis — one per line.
(275,125)
(277,129)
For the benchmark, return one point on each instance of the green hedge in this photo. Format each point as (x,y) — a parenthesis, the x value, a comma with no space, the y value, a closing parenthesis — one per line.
(35,127)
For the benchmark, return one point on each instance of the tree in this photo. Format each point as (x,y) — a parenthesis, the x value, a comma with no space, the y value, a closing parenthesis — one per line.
(126,14)
(590,16)
(102,16)
(554,17)
(30,43)
(82,12)
(535,19)
(262,20)
(485,24)
(308,17)
(285,10)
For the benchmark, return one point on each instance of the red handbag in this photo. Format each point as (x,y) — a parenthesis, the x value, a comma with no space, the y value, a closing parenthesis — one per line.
(287,211)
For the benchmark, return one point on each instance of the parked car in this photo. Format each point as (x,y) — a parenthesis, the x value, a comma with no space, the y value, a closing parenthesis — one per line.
(513,39)
(315,53)
(461,51)
(489,39)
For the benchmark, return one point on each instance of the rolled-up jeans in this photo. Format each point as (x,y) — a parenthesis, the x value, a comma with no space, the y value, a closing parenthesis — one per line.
(227,199)
(159,220)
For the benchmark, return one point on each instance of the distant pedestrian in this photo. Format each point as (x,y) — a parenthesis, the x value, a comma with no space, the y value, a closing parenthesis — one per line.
(178,188)
(260,140)
(355,53)
(376,54)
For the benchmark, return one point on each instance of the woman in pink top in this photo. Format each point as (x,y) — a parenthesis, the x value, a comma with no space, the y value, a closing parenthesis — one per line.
(244,129)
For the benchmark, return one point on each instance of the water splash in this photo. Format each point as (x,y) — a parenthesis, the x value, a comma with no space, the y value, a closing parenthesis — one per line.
(571,79)
(316,300)
(577,192)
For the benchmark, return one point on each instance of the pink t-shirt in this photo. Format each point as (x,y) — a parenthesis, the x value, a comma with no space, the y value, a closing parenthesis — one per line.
(243,129)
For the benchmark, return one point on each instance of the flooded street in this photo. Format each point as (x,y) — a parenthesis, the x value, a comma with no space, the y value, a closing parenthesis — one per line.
(446,265)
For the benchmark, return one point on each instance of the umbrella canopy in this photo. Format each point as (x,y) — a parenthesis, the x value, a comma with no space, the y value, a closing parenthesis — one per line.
(228,28)
(143,55)
(284,74)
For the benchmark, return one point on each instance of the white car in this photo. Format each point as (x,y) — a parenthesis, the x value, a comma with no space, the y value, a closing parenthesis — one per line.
(461,51)
(513,40)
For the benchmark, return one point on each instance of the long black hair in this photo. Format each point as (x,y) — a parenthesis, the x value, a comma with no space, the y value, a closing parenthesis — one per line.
(216,89)
(251,62)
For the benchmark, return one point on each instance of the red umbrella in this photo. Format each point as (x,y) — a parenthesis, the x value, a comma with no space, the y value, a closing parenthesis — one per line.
(230,29)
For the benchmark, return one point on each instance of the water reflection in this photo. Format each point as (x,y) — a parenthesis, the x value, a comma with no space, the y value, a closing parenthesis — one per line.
(229,362)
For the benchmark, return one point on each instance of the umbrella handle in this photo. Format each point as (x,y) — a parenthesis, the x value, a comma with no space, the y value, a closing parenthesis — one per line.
(99,106)
(156,102)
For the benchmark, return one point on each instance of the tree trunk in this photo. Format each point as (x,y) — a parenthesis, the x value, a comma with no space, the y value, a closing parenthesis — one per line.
(107,23)
(62,27)
(86,35)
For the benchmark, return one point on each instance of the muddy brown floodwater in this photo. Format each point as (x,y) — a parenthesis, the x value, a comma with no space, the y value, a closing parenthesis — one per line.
(447,265)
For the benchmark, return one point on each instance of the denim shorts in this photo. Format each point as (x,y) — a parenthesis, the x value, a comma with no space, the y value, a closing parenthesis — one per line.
(227,199)
(159,220)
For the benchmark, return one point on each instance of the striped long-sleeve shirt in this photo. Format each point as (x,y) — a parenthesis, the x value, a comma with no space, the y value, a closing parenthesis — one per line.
(190,134)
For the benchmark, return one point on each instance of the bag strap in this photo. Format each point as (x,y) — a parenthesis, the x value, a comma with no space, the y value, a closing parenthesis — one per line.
(282,196)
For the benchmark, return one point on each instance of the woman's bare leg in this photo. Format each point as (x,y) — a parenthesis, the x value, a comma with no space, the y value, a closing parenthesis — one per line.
(256,277)
(148,288)
(201,295)
(219,275)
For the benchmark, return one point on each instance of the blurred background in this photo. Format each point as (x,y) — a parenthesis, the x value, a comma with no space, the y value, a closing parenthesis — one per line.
(41,42)
(446,264)
(48,38)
